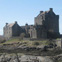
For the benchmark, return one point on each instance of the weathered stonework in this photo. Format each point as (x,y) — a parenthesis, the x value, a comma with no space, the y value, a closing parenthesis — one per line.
(49,21)
(46,26)
(12,30)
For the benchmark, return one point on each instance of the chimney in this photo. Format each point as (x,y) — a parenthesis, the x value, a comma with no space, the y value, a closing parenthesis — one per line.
(51,9)
(26,24)
(6,24)
(41,11)
(15,22)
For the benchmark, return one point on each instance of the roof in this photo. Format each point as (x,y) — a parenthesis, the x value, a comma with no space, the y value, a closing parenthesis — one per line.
(23,27)
(10,25)
(45,12)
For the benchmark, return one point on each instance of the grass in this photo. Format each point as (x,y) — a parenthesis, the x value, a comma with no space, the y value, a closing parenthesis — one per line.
(37,43)
(26,43)
(15,40)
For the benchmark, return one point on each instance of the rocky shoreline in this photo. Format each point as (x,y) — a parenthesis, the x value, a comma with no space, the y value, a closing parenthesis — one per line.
(18,57)
(20,53)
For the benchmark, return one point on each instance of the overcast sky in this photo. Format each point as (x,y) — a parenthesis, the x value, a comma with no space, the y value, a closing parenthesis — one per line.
(24,11)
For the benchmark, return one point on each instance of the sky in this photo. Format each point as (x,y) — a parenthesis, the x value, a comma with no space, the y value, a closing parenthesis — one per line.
(24,11)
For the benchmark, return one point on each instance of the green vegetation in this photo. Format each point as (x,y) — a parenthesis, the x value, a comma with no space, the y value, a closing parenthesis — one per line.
(27,42)
(60,61)
(15,40)
(36,43)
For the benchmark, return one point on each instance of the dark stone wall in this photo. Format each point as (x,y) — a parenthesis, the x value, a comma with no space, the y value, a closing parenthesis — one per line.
(33,32)
(50,22)
(16,30)
(41,32)
(46,26)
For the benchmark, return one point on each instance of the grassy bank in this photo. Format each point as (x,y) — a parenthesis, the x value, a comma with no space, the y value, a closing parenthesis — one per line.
(26,42)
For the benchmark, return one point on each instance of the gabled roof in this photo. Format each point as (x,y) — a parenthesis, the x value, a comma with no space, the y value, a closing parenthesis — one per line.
(46,12)
(11,25)
(23,27)
(42,13)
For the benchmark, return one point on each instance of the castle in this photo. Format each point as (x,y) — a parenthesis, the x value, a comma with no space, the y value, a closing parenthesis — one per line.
(46,26)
